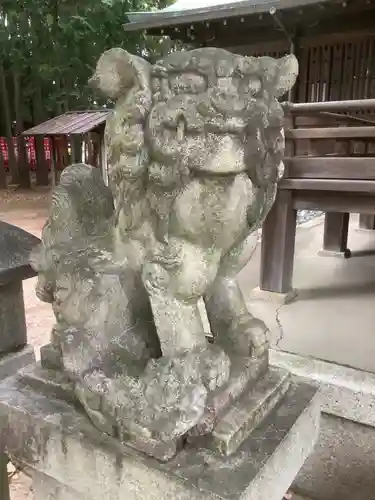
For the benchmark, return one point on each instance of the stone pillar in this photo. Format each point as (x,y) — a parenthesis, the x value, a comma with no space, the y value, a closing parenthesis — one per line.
(4,486)
(15,248)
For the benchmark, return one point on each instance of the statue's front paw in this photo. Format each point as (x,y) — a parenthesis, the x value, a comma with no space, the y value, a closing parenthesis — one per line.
(89,391)
(248,336)
(214,367)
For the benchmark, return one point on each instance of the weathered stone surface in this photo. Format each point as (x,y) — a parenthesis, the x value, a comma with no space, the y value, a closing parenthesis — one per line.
(70,457)
(244,374)
(15,247)
(4,487)
(13,320)
(195,146)
(49,382)
(342,463)
(344,391)
(247,413)
(12,362)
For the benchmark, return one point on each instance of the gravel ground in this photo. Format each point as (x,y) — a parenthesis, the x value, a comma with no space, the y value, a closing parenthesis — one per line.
(306,215)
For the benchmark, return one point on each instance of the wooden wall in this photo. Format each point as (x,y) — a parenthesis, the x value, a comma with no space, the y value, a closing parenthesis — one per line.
(331,68)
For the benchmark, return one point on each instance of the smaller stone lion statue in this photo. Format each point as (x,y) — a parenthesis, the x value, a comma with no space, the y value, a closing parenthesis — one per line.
(195,146)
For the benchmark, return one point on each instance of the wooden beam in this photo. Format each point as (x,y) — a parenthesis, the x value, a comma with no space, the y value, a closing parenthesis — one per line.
(324,119)
(326,167)
(334,185)
(350,133)
(333,202)
(330,106)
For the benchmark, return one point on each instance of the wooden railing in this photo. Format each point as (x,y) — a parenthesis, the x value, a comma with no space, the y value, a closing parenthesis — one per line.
(329,166)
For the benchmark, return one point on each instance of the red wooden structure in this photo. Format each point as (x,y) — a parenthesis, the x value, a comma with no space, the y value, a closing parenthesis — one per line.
(73,137)
(30,151)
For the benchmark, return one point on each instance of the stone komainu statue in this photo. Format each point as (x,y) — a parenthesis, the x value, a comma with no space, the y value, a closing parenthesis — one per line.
(195,145)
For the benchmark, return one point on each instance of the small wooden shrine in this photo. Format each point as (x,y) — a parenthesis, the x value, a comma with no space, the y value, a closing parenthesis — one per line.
(75,137)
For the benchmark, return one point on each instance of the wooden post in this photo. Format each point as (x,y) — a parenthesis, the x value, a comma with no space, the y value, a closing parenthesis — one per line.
(90,149)
(367,221)
(335,241)
(42,175)
(76,146)
(278,242)
(95,141)
(53,161)
(103,158)
(23,164)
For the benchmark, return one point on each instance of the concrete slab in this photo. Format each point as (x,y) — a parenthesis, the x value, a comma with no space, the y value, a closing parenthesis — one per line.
(333,315)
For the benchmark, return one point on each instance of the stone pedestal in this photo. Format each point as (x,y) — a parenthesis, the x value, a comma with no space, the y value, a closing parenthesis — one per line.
(70,459)
(11,362)
(15,247)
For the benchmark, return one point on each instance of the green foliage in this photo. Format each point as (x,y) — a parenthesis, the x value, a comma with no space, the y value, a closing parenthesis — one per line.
(52,47)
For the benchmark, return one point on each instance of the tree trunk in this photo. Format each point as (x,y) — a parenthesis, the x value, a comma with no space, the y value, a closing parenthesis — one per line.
(23,164)
(12,161)
(39,114)
(42,177)
(3,175)
(56,37)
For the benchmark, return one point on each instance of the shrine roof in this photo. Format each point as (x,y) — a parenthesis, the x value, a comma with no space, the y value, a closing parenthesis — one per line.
(70,123)
(189,11)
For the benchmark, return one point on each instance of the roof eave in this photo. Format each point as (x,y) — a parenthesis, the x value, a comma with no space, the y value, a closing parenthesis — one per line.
(161,19)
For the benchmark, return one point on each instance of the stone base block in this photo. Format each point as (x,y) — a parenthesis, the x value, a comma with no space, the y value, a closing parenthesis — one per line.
(273,297)
(232,411)
(49,382)
(69,458)
(245,373)
(342,464)
(12,362)
(247,413)
(344,392)
(12,314)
